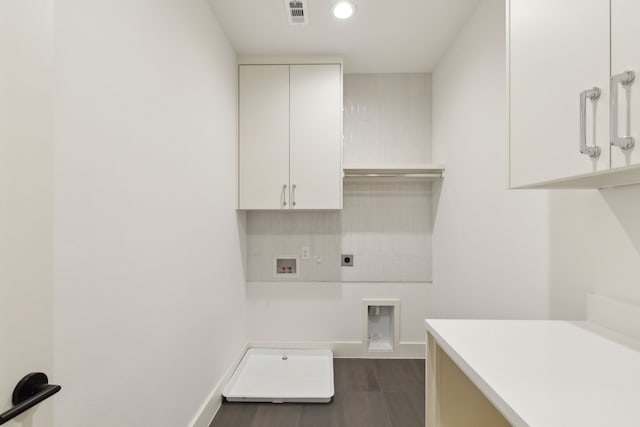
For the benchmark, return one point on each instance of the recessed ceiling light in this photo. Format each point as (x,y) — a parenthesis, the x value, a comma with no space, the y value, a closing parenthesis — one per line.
(343,9)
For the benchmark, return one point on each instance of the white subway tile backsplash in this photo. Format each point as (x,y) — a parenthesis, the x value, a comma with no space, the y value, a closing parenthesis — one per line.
(386,226)
(385,268)
(387,118)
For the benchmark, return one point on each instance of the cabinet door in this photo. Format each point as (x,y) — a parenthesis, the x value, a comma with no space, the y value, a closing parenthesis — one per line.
(557,49)
(625,55)
(316,136)
(263,147)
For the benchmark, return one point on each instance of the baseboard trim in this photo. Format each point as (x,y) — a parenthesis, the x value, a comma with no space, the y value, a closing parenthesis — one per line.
(211,406)
(350,349)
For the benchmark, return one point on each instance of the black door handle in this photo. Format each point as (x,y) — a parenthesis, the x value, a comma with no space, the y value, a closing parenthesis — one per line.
(31,390)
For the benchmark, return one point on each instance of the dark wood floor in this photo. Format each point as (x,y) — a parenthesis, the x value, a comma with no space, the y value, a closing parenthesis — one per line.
(369,393)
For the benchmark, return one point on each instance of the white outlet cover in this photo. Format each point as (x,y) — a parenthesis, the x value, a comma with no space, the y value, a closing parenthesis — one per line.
(305,252)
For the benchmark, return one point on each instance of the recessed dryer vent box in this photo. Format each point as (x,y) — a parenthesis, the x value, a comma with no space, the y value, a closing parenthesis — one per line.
(381,325)
(286,267)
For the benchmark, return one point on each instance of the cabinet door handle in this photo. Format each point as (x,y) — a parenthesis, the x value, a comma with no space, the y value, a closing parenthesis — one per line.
(293,195)
(624,79)
(284,195)
(592,94)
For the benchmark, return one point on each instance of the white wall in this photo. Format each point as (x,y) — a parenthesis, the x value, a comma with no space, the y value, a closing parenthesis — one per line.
(620,242)
(149,289)
(329,312)
(26,288)
(594,247)
(490,244)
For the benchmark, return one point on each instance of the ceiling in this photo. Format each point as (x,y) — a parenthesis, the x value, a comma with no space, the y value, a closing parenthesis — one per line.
(381,37)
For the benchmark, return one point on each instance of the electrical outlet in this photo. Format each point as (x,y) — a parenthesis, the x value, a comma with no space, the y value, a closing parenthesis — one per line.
(305,252)
(347,260)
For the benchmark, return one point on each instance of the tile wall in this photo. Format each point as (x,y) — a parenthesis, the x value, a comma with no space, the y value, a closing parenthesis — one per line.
(387,118)
(386,226)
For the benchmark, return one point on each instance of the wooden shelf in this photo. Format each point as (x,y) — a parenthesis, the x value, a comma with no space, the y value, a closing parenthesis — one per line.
(393,173)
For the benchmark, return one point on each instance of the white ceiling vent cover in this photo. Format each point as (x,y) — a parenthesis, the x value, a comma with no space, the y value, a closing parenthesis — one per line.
(296,11)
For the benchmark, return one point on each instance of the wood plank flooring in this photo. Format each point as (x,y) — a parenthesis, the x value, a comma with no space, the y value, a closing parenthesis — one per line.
(369,393)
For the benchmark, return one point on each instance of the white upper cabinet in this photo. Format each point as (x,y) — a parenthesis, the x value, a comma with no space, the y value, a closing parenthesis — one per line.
(263,148)
(290,136)
(625,62)
(558,54)
(316,134)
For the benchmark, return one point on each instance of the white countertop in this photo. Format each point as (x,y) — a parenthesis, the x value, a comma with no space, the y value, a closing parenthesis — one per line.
(546,373)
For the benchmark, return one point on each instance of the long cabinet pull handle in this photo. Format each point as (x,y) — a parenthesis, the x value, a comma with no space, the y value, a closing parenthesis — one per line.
(592,94)
(624,79)
(284,195)
(293,195)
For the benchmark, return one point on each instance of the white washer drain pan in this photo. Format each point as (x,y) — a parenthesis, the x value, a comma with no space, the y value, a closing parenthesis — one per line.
(278,376)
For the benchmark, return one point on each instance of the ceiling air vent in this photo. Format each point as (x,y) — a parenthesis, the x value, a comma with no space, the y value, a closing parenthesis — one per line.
(296,11)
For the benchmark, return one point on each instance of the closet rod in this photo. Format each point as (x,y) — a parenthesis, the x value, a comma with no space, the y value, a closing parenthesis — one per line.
(393,175)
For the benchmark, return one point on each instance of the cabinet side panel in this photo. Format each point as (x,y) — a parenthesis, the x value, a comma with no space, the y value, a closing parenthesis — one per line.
(557,50)
(263,150)
(460,402)
(316,132)
(431,383)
